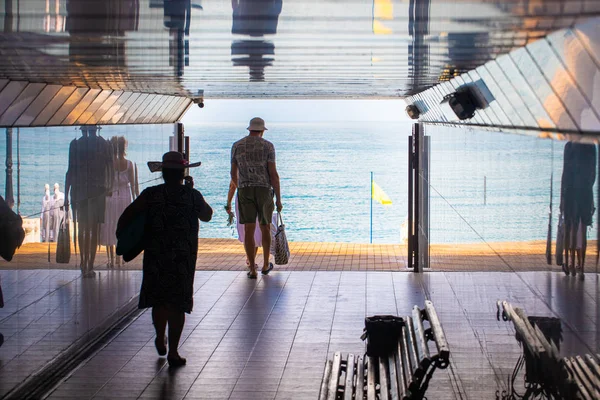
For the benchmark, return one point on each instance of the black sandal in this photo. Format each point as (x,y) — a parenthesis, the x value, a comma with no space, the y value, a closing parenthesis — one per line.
(565,269)
(176,361)
(251,276)
(266,272)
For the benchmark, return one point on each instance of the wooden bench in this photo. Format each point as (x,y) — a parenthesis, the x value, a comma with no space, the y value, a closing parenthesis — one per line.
(404,374)
(547,374)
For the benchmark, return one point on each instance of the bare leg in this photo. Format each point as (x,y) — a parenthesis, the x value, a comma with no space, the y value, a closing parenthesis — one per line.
(567,245)
(255,252)
(83,246)
(93,245)
(159,319)
(266,244)
(583,251)
(111,250)
(176,321)
(250,247)
(573,247)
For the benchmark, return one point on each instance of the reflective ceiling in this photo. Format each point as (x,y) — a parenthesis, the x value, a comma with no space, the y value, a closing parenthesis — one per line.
(268,48)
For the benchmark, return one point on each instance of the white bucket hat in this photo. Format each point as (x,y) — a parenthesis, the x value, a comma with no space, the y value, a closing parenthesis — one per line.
(257,124)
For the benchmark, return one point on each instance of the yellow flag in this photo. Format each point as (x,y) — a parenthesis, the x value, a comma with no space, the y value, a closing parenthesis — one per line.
(383,10)
(379,195)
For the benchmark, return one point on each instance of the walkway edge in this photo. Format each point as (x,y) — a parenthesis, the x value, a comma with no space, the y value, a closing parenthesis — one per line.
(36,385)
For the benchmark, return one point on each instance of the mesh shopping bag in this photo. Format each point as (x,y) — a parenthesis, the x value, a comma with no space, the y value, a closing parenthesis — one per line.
(279,247)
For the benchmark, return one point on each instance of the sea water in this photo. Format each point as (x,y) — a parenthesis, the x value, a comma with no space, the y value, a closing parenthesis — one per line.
(484,186)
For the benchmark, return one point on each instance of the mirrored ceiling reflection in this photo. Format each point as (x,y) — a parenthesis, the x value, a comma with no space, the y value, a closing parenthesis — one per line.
(254,19)
(268,48)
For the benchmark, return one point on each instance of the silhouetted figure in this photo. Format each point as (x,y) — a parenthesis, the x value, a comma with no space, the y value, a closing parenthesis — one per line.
(177,17)
(250,53)
(170,246)
(577,202)
(88,179)
(121,195)
(255,17)
(11,231)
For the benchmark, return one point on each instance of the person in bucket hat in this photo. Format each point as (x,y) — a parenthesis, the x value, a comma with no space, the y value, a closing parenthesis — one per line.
(170,244)
(254,173)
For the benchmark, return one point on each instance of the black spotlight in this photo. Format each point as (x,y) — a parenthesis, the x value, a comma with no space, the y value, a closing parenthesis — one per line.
(460,104)
(413,111)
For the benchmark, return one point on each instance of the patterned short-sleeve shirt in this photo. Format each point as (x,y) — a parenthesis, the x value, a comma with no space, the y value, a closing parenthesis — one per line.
(252,155)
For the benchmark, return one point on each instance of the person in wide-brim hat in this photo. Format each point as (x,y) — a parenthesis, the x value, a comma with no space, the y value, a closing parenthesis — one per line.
(171,160)
(163,223)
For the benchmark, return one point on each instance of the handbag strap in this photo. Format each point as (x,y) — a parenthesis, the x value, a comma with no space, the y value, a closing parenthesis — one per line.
(279,218)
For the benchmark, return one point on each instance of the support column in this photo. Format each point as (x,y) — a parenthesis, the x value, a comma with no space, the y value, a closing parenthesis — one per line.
(418,199)
(8,194)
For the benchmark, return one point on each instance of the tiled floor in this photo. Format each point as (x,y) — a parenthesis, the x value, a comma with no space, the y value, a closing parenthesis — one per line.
(268,339)
(228,255)
(46,311)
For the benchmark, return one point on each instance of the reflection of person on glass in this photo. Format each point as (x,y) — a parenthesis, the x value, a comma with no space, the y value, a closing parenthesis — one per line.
(122,194)
(45,217)
(255,18)
(88,179)
(170,248)
(577,202)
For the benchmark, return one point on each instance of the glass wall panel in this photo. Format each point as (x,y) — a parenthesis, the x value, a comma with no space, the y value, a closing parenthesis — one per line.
(21,103)
(564,85)
(140,101)
(67,106)
(427,97)
(513,97)
(80,108)
(487,113)
(9,93)
(522,87)
(94,106)
(589,34)
(491,197)
(56,295)
(36,107)
(579,64)
(103,109)
(55,104)
(552,104)
(122,111)
(499,103)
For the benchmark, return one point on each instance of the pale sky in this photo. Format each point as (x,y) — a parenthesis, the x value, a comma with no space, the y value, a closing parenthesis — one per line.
(297,111)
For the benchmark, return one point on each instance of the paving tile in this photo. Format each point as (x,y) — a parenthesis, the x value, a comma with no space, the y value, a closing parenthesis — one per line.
(273,359)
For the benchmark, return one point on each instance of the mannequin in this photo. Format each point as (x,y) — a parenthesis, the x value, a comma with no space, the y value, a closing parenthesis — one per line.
(46,215)
(58,209)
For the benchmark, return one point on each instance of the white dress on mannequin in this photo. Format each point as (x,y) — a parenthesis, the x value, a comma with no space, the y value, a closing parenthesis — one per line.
(58,211)
(115,205)
(46,216)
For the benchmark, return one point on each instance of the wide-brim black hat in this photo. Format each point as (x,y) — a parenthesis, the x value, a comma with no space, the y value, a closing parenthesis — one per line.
(171,160)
